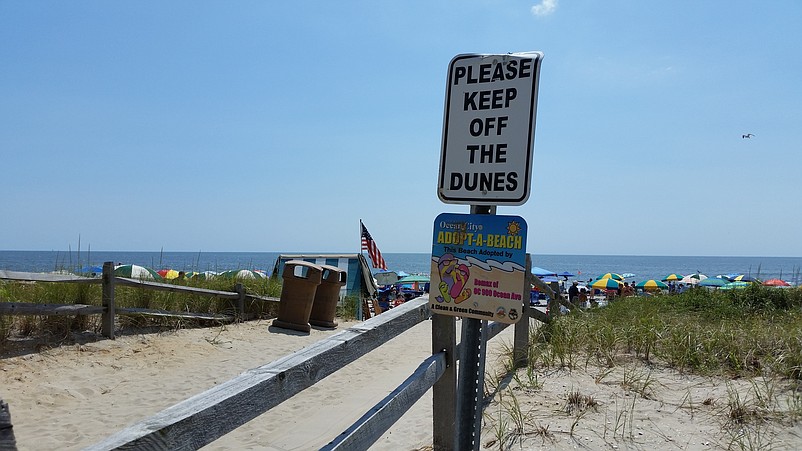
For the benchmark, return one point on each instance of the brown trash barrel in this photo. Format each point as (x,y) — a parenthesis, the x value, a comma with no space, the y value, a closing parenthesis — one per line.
(327,296)
(301,280)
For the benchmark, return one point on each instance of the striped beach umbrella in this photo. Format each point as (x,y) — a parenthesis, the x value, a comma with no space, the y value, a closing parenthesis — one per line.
(611,275)
(606,284)
(651,285)
(168,274)
(743,278)
(693,279)
(137,272)
(203,275)
(672,276)
(242,274)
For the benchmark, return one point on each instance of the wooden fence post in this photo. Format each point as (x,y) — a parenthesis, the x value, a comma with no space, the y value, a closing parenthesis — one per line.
(240,302)
(7,440)
(107,321)
(520,347)
(444,391)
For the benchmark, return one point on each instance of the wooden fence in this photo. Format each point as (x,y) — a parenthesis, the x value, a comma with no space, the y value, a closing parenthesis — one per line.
(203,418)
(108,310)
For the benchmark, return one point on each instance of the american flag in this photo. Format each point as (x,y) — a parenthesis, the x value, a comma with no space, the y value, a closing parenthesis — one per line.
(373,252)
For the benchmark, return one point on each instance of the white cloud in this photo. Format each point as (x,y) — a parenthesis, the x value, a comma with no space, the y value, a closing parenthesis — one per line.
(544,8)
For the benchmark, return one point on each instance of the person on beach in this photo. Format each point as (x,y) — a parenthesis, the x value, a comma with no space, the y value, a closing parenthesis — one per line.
(573,292)
(583,298)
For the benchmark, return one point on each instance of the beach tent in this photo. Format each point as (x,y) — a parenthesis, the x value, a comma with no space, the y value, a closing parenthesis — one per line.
(359,281)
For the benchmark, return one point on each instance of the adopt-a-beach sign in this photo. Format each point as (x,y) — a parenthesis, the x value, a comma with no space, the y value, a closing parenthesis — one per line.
(478,266)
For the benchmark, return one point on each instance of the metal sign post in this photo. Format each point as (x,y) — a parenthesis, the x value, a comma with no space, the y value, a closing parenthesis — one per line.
(471,379)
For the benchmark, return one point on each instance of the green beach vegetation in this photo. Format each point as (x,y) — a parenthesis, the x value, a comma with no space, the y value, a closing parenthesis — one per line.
(641,353)
(53,330)
(735,333)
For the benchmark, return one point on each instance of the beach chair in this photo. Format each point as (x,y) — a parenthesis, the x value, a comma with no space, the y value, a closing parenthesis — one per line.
(370,308)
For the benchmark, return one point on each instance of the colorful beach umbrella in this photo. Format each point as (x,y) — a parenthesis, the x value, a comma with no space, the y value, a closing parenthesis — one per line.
(611,275)
(713,282)
(137,272)
(743,278)
(651,285)
(606,284)
(671,277)
(168,274)
(776,283)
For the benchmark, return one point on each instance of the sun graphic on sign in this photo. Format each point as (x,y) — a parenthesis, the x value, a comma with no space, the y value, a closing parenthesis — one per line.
(513,228)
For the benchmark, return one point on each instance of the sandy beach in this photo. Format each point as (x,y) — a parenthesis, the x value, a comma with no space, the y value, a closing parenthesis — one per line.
(73,396)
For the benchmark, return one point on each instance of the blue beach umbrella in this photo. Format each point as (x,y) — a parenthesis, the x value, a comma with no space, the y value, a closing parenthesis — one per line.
(540,272)
(566,274)
(90,269)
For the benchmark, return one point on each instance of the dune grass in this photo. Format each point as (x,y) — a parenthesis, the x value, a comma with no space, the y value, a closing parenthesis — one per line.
(750,332)
(753,334)
(60,328)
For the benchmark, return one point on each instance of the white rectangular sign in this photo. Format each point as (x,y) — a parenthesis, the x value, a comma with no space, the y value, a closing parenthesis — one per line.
(489,129)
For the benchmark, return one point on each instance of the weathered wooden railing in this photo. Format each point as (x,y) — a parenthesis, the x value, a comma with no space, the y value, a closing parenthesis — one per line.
(109,310)
(203,418)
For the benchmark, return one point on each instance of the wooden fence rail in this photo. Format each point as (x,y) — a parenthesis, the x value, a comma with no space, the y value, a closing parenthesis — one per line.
(203,418)
(109,310)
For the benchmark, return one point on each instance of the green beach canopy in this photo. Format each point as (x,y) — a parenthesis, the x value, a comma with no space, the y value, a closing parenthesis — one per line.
(137,272)
(713,282)
(414,278)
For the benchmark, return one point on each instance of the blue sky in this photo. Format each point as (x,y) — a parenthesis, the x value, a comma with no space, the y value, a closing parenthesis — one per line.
(276,126)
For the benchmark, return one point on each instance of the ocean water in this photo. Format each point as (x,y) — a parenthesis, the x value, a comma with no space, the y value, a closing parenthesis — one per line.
(583,267)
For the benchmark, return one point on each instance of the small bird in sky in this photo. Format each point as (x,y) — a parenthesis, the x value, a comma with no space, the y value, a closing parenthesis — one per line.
(748,135)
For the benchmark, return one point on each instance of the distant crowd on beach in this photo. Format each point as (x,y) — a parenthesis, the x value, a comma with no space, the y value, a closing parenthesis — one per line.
(586,295)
